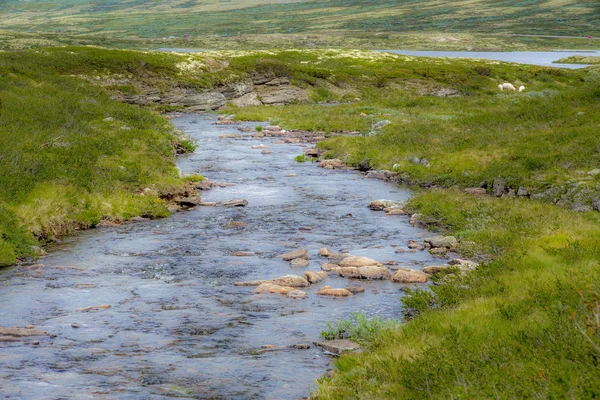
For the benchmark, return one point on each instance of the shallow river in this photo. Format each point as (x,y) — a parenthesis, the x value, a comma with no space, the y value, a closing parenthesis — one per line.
(177,326)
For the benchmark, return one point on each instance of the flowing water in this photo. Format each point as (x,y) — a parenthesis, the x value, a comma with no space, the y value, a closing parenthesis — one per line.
(177,326)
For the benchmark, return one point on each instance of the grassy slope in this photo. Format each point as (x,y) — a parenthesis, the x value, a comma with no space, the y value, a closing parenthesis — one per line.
(71,156)
(155,19)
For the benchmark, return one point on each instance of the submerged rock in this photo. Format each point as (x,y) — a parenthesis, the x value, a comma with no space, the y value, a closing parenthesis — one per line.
(296,294)
(299,262)
(356,289)
(273,288)
(302,253)
(21,332)
(331,164)
(235,203)
(287,280)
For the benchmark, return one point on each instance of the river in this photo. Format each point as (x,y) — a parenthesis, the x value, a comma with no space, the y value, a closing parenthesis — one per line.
(177,327)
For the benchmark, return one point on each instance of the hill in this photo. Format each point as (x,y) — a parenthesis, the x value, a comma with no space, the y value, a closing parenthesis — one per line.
(151,18)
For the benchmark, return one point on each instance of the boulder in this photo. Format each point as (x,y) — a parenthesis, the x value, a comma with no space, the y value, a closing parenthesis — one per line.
(383,175)
(315,277)
(394,211)
(498,187)
(415,219)
(338,346)
(380,205)
(463,264)
(235,225)
(284,94)
(329,266)
(291,280)
(204,101)
(442,241)
(299,262)
(272,288)
(328,291)
(353,261)
(301,253)
(296,294)
(247,100)
(325,252)
(242,254)
(409,276)
(331,164)
(413,244)
(21,332)
(367,272)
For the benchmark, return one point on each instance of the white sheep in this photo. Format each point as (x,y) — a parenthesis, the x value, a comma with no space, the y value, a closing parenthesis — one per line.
(521,88)
(500,87)
(508,86)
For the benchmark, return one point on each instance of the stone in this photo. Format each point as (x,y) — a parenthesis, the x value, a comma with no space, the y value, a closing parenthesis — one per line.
(438,250)
(415,219)
(235,225)
(435,269)
(356,289)
(394,211)
(382,175)
(331,164)
(301,253)
(315,277)
(299,262)
(409,276)
(371,272)
(324,252)
(476,191)
(390,262)
(204,101)
(328,266)
(498,187)
(354,261)
(312,152)
(442,241)
(247,100)
(296,294)
(522,192)
(242,254)
(364,165)
(229,136)
(21,332)
(75,325)
(266,152)
(235,203)
(380,205)
(413,244)
(464,264)
(284,94)
(207,204)
(328,291)
(301,346)
(338,346)
(291,280)
(594,172)
(260,146)
(273,288)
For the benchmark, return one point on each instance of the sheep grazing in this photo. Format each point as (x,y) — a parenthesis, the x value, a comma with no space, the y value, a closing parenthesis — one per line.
(508,86)
(500,87)
(521,88)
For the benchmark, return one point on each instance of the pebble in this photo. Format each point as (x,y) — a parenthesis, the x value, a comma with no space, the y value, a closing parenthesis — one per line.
(75,325)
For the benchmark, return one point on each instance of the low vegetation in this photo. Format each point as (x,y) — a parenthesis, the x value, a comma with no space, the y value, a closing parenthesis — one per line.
(70,155)
(592,60)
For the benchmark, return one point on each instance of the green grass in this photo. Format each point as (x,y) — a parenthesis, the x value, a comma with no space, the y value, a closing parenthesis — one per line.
(580,60)
(71,156)
(181,17)
(523,325)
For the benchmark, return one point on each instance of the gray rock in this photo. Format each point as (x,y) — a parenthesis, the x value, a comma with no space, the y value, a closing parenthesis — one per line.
(235,203)
(338,346)
(204,101)
(382,174)
(521,192)
(247,100)
(281,94)
(498,187)
(442,241)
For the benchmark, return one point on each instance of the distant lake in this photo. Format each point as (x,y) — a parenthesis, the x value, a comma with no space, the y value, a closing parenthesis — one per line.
(542,58)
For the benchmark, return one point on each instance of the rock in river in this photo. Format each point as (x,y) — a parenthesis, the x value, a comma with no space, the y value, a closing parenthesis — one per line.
(299,262)
(338,346)
(367,272)
(287,280)
(315,277)
(235,203)
(442,241)
(272,288)
(353,261)
(409,276)
(329,291)
(302,253)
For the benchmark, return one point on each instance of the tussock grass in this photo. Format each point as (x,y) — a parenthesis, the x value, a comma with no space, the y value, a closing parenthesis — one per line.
(70,155)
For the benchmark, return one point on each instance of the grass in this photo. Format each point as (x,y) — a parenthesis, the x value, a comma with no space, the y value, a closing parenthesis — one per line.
(183,17)
(71,156)
(580,60)
(524,325)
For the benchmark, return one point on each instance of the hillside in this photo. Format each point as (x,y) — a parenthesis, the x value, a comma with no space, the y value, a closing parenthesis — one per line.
(151,18)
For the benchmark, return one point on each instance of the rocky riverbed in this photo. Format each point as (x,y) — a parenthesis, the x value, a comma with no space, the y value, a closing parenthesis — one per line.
(224,299)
